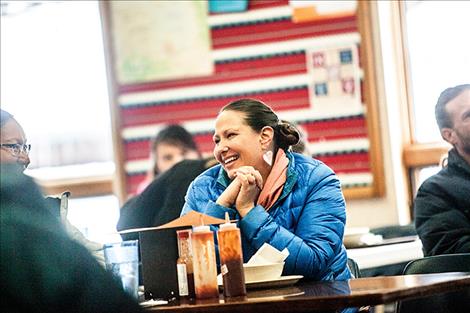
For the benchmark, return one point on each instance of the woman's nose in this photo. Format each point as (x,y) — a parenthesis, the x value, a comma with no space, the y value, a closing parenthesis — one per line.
(221,149)
(218,150)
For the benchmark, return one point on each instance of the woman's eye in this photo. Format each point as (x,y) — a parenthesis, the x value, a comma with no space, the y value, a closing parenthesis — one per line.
(230,135)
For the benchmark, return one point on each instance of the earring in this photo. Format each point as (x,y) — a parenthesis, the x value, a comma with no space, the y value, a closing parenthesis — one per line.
(268,157)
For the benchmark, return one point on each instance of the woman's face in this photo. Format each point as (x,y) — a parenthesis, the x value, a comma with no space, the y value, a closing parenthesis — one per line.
(236,143)
(167,155)
(12,133)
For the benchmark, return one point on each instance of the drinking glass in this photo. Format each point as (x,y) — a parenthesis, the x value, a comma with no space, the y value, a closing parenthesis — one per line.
(122,260)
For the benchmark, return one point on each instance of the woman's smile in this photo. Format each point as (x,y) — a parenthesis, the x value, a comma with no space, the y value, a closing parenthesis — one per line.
(237,144)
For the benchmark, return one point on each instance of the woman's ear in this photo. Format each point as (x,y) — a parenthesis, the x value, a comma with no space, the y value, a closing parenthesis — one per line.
(266,136)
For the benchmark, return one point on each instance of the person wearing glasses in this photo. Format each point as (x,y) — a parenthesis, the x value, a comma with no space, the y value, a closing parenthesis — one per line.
(14,148)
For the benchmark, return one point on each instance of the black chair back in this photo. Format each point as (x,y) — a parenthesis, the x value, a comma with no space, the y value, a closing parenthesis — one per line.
(458,301)
(354,268)
(439,264)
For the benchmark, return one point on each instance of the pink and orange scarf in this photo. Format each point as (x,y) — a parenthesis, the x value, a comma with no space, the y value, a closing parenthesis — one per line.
(275,182)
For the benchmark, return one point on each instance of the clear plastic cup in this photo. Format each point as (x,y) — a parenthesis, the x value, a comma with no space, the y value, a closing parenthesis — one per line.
(122,260)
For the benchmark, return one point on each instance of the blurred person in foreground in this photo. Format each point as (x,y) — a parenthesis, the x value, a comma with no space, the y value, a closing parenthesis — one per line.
(442,204)
(282,198)
(42,268)
(171,145)
(15,150)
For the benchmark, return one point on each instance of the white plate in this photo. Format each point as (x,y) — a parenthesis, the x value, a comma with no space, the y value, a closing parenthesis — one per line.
(272,283)
(278,282)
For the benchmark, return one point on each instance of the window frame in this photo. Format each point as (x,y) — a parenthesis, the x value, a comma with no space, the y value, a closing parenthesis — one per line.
(416,155)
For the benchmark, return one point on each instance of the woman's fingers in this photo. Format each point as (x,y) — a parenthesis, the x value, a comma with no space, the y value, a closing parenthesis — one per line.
(251,173)
(259,179)
(248,194)
(243,179)
(228,197)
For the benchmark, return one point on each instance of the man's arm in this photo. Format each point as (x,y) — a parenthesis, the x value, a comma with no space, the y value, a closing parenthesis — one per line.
(441,227)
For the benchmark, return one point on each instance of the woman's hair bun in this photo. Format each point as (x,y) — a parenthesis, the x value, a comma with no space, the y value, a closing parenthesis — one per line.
(289,135)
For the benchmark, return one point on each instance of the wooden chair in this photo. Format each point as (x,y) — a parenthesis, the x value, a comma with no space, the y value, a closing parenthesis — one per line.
(458,301)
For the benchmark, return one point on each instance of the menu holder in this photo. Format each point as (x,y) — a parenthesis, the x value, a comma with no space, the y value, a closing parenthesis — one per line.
(159,252)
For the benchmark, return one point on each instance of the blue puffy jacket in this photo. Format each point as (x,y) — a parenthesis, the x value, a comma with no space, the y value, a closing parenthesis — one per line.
(308,218)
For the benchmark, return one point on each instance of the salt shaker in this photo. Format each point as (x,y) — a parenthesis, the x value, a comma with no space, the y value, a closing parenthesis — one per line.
(204,263)
(231,259)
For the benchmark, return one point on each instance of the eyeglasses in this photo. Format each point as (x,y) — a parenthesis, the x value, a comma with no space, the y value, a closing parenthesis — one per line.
(16,148)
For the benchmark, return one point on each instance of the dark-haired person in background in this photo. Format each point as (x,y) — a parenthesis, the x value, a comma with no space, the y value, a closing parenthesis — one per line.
(279,197)
(442,204)
(171,145)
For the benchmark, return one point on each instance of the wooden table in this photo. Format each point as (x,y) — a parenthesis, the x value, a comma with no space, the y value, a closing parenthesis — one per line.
(327,296)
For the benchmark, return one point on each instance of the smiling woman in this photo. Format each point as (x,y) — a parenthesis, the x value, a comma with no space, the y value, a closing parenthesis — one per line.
(279,197)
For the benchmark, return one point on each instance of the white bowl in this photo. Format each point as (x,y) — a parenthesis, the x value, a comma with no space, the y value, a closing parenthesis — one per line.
(262,272)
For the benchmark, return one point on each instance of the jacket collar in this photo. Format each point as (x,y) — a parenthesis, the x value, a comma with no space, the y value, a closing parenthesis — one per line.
(223,180)
(291,177)
(457,162)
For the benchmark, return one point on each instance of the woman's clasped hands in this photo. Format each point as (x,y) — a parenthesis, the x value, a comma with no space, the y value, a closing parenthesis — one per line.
(243,191)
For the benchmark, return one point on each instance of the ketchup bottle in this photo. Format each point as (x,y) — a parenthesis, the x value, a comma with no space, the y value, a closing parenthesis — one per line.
(231,259)
(204,263)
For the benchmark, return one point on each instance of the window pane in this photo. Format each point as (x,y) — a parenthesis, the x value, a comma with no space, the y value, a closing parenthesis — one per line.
(427,172)
(439,49)
(54,80)
(95,217)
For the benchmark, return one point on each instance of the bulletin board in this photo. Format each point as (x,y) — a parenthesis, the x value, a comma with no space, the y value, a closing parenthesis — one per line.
(317,73)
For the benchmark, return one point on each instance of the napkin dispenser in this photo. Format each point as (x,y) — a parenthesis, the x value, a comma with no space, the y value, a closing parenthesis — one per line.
(159,252)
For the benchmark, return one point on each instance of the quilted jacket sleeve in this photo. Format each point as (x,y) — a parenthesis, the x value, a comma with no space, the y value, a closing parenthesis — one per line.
(316,239)
(203,202)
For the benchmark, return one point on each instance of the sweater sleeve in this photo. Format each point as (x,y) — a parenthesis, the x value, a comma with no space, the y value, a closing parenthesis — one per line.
(317,236)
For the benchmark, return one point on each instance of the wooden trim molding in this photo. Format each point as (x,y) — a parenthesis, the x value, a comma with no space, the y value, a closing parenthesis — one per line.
(120,182)
(367,21)
(424,154)
(359,192)
(79,187)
